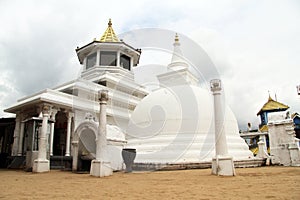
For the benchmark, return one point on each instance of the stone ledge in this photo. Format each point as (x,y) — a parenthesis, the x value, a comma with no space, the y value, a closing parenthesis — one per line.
(256,162)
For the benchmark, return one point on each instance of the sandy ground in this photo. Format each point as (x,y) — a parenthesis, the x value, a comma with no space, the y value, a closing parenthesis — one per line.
(250,183)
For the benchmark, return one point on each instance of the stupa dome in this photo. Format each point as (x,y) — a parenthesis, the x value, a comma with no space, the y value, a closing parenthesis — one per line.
(176,125)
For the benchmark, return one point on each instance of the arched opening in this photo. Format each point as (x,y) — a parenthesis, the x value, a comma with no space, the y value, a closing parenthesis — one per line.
(87,149)
(86,152)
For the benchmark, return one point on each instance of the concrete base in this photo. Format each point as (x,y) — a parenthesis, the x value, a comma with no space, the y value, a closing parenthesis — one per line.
(41,166)
(223,166)
(100,168)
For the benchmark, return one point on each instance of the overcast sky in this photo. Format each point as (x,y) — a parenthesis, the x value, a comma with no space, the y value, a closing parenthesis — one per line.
(255,45)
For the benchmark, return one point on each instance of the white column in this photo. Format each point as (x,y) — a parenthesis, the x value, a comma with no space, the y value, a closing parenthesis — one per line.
(118,58)
(84,63)
(41,164)
(263,138)
(101,142)
(100,166)
(222,164)
(261,148)
(54,112)
(98,58)
(20,148)
(68,139)
(16,136)
(131,63)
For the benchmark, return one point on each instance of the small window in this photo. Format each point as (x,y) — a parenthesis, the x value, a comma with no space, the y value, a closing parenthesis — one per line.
(125,61)
(108,58)
(102,83)
(91,60)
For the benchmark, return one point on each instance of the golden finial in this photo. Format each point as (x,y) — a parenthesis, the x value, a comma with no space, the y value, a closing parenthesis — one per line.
(176,38)
(109,35)
(109,22)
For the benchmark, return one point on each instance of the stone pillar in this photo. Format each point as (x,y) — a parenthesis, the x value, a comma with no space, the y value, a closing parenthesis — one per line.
(54,112)
(222,163)
(68,139)
(101,166)
(16,135)
(41,164)
(20,148)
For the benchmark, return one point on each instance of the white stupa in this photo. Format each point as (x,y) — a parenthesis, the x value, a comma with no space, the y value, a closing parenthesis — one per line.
(174,124)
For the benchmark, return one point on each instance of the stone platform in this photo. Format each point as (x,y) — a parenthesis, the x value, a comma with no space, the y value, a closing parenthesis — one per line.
(256,162)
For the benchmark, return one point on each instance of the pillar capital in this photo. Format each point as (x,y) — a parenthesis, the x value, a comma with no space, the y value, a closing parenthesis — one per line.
(18,118)
(69,115)
(54,111)
(215,85)
(103,96)
(45,109)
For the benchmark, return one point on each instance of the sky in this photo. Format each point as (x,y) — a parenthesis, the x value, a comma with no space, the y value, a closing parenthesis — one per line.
(254,44)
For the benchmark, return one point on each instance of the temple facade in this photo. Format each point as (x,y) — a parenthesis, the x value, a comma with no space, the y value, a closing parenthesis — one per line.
(71,109)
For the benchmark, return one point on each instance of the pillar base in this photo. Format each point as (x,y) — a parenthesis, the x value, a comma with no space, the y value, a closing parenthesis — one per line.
(223,166)
(100,168)
(41,166)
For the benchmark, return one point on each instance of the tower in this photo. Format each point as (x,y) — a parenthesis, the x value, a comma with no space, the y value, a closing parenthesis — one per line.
(269,107)
(108,54)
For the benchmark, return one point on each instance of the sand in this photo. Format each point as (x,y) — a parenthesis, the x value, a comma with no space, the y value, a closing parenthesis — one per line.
(250,183)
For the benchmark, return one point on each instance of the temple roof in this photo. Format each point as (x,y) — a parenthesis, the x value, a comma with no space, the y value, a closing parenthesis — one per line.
(109,35)
(273,105)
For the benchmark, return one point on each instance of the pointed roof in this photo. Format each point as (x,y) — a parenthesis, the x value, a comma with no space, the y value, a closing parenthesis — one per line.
(273,105)
(177,56)
(109,35)
(177,53)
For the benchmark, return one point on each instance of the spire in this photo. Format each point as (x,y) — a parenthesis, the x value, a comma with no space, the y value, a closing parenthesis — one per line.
(178,72)
(109,35)
(270,98)
(177,56)
(177,39)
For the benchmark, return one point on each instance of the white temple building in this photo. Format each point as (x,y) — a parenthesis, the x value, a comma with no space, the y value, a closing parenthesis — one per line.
(173,124)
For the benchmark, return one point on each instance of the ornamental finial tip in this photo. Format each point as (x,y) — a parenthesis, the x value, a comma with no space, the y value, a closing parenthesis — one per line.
(176,38)
(109,22)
